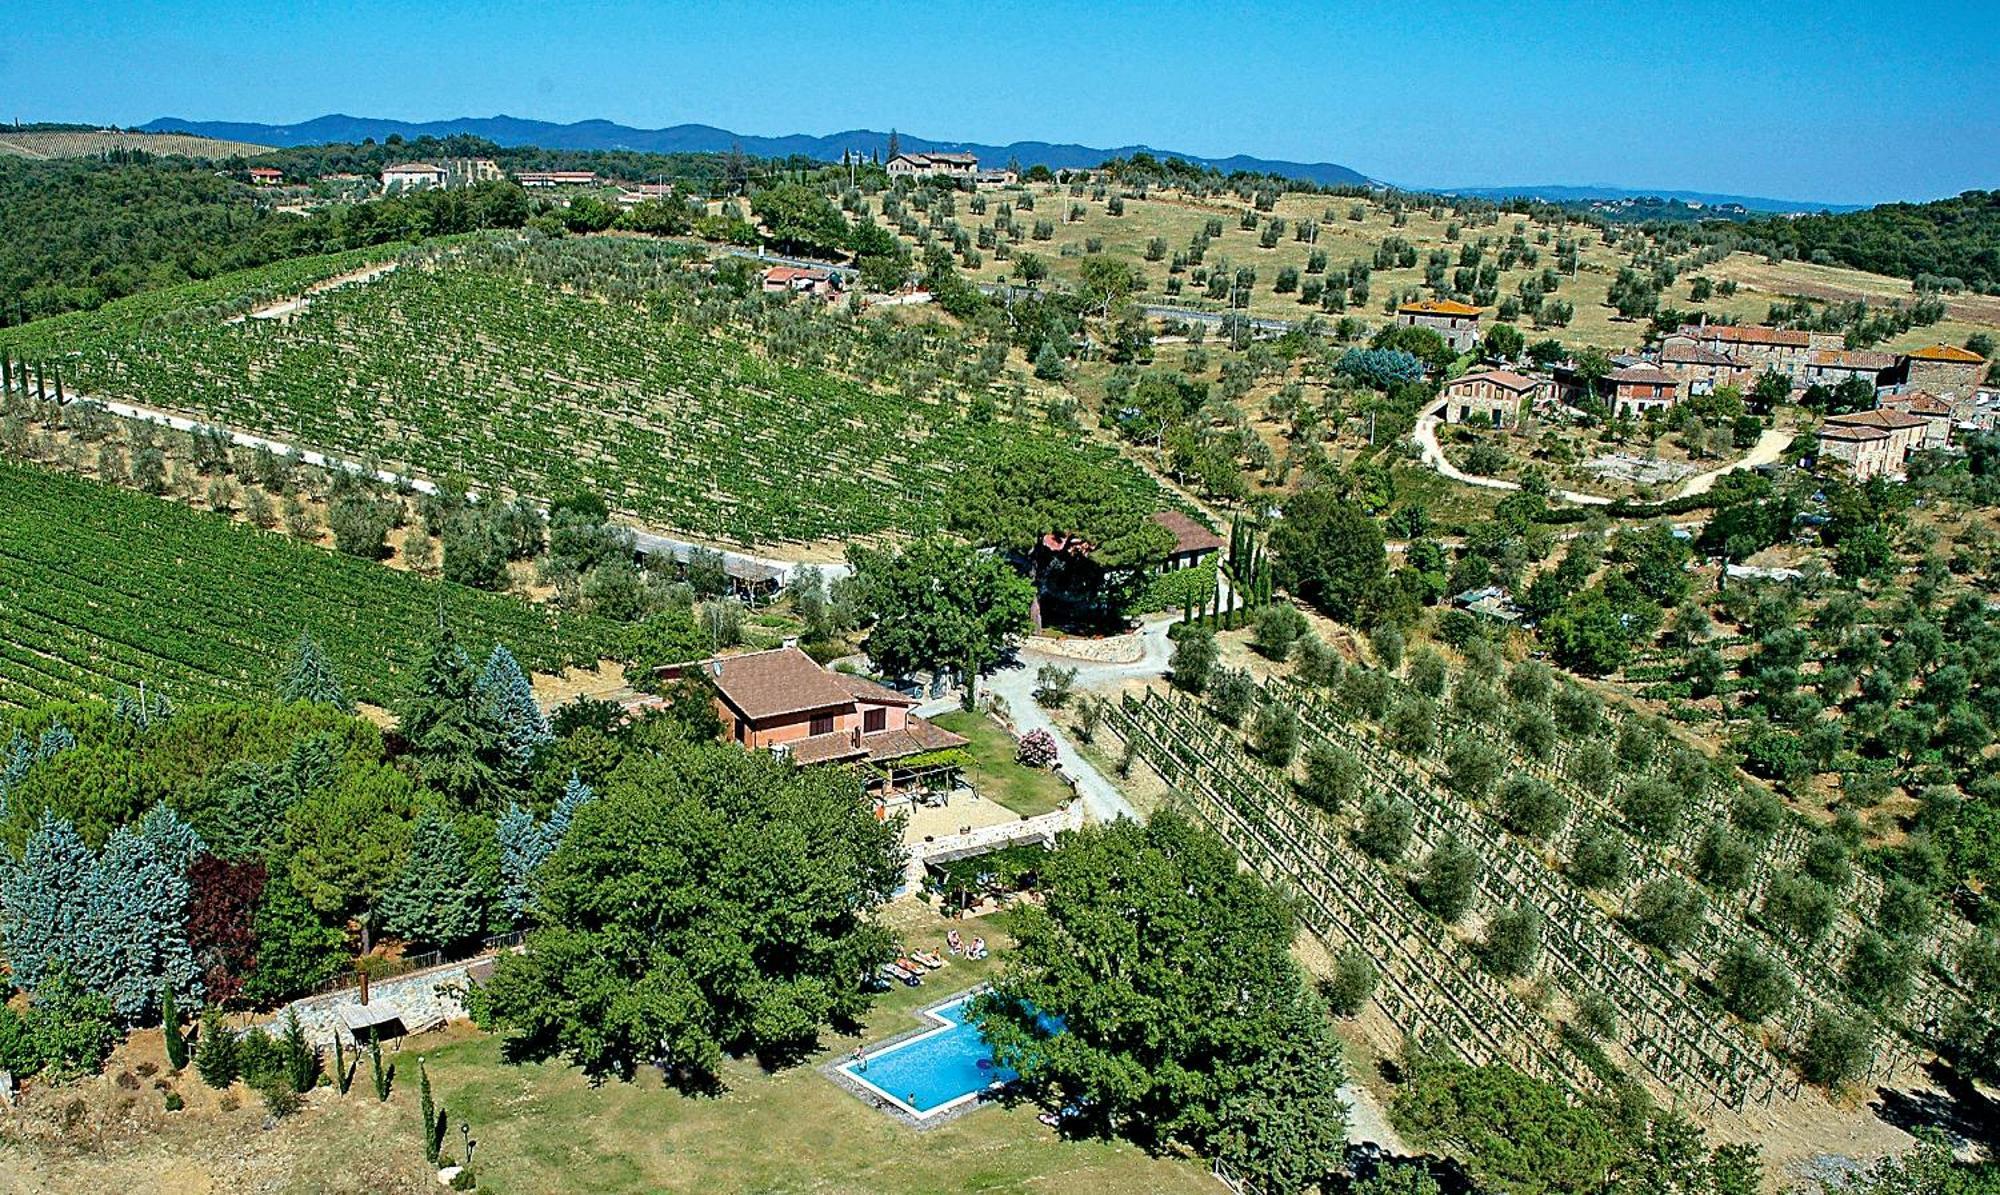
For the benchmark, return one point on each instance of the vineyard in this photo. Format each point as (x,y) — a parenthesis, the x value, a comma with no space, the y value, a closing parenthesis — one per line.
(550,366)
(102,590)
(1676,1034)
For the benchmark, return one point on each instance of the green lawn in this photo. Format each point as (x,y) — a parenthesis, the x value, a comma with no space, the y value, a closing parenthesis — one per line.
(993,772)
(544,1128)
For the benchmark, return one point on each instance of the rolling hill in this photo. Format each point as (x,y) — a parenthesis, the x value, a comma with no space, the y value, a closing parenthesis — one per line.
(43,144)
(700,138)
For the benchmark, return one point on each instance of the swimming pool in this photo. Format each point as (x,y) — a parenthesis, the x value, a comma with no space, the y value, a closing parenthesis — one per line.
(935,1071)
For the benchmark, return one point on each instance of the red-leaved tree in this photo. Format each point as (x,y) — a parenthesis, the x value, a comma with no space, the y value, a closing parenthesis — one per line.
(222,910)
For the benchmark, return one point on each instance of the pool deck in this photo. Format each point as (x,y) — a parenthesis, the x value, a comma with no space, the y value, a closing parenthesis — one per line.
(843,1074)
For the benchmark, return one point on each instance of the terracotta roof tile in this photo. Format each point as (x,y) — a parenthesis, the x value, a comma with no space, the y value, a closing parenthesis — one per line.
(1506,379)
(1189,536)
(1694,354)
(921,736)
(1948,352)
(768,684)
(1437,307)
(1751,334)
(1887,419)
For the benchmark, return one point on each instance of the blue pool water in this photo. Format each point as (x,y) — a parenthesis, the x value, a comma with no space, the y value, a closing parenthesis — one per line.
(933,1071)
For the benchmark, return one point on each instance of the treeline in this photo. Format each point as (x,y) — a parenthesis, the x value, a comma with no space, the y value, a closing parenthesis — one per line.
(1948,244)
(77,234)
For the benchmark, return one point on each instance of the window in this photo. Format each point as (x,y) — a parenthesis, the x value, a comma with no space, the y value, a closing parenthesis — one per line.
(822,724)
(874,720)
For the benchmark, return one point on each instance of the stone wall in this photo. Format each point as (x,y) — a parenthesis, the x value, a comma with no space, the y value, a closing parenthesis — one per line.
(425,1000)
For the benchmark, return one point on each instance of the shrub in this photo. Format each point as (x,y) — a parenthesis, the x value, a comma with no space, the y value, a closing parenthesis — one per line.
(1513,941)
(1385,827)
(1278,627)
(1352,984)
(1751,984)
(1835,1050)
(1599,858)
(1532,807)
(215,1057)
(1036,749)
(1053,684)
(1597,1016)
(1449,881)
(1666,914)
(174,1102)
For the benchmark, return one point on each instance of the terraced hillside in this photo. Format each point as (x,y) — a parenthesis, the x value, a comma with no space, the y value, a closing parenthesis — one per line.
(90,143)
(543,367)
(102,589)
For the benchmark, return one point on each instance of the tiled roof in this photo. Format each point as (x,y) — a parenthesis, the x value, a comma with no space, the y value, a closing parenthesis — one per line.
(1851,433)
(1438,307)
(1506,379)
(1948,352)
(1854,359)
(863,689)
(825,748)
(794,273)
(920,736)
(1642,375)
(1694,354)
(768,684)
(413,168)
(1917,402)
(1753,334)
(1189,536)
(1888,419)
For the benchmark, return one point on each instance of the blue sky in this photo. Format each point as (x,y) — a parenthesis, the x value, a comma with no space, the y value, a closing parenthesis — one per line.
(1839,101)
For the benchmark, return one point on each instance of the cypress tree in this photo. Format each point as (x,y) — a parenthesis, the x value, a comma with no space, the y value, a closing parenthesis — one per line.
(434,899)
(343,1075)
(170,1027)
(382,1077)
(301,1059)
(311,677)
(428,1111)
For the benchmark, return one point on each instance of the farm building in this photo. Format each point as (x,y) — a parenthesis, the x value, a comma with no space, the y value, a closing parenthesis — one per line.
(1457,322)
(1757,348)
(410,176)
(918,164)
(556,178)
(1489,397)
(804,280)
(1943,369)
(1831,367)
(1700,370)
(1637,389)
(1937,414)
(1193,542)
(1873,443)
(265,176)
(782,702)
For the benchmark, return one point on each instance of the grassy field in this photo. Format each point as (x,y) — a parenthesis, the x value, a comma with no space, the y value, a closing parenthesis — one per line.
(544,1128)
(89,144)
(1177,219)
(993,772)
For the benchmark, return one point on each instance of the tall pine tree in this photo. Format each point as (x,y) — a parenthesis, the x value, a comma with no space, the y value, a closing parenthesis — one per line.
(311,677)
(509,698)
(524,845)
(434,900)
(43,899)
(458,744)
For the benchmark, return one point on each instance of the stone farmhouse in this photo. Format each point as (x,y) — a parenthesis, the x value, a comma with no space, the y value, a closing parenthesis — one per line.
(1872,443)
(1490,397)
(802,280)
(1637,389)
(920,164)
(1832,367)
(1457,322)
(1756,348)
(782,702)
(1937,414)
(1700,370)
(1943,369)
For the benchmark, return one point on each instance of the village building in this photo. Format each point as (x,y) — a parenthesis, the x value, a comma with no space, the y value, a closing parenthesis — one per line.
(1457,322)
(801,280)
(1832,367)
(1489,397)
(556,178)
(1937,414)
(412,176)
(1943,369)
(782,702)
(1757,348)
(1700,370)
(265,176)
(466,172)
(633,194)
(995,178)
(1637,389)
(1193,543)
(1873,443)
(913,165)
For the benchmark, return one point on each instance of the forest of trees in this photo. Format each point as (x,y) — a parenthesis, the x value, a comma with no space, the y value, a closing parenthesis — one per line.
(1951,243)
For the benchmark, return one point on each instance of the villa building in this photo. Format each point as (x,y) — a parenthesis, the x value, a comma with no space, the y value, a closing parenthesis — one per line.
(1937,414)
(1457,322)
(1489,397)
(265,176)
(782,702)
(556,178)
(919,164)
(412,176)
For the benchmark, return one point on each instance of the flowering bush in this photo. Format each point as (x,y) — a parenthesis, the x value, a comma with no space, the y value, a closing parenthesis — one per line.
(1037,749)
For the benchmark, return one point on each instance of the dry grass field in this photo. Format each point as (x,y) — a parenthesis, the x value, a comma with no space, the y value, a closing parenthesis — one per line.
(45,145)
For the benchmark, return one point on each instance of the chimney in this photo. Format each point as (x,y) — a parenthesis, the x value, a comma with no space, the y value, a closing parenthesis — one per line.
(364,988)
(716,667)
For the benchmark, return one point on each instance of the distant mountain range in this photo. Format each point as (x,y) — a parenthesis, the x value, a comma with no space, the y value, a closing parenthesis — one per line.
(700,138)
(1564,194)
